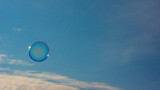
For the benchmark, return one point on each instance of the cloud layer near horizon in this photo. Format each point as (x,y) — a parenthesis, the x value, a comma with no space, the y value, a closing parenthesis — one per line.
(33,80)
(13,82)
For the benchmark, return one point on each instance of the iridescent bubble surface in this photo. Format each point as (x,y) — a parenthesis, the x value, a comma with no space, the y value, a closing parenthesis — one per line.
(38,51)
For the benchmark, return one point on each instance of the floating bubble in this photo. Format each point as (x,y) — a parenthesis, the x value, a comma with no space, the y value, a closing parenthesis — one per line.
(38,51)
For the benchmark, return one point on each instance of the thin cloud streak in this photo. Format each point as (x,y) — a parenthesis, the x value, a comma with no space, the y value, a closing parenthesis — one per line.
(1,57)
(17,29)
(19,62)
(4,59)
(4,69)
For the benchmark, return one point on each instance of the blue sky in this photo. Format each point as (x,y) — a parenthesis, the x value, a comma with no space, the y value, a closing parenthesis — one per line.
(97,44)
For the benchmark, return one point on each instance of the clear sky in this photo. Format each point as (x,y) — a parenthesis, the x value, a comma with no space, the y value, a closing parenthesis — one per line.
(94,44)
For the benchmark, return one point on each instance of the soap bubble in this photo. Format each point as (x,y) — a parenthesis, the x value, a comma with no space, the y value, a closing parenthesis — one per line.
(38,51)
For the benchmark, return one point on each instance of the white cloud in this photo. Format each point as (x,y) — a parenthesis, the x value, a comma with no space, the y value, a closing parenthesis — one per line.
(32,76)
(19,62)
(57,82)
(14,82)
(1,57)
(64,80)
(17,29)
(6,60)
(4,69)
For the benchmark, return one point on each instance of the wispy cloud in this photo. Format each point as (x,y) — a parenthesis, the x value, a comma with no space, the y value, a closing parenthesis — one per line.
(19,62)
(1,57)
(64,80)
(6,60)
(57,82)
(45,76)
(14,82)
(4,69)
(17,29)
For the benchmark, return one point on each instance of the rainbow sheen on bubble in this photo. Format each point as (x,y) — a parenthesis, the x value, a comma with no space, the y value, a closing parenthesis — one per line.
(38,51)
